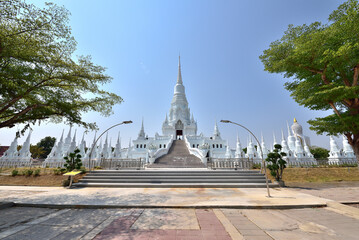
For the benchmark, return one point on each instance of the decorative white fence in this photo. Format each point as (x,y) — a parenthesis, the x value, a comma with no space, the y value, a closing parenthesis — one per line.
(230,163)
(116,164)
(15,163)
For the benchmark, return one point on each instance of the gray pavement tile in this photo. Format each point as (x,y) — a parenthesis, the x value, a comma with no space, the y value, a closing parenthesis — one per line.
(37,232)
(246,226)
(258,238)
(19,215)
(330,223)
(80,217)
(257,232)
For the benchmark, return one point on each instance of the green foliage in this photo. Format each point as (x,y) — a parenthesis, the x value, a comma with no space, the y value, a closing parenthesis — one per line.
(256,166)
(37,172)
(36,151)
(319,153)
(322,61)
(14,172)
(73,161)
(65,182)
(27,172)
(46,144)
(276,162)
(83,170)
(40,79)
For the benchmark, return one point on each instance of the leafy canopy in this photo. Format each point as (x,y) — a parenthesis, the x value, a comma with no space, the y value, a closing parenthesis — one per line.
(39,78)
(322,61)
(46,144)
(319,153)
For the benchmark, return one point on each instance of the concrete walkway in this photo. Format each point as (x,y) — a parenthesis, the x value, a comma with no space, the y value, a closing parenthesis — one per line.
(161,197)
(176,224)
(169,214)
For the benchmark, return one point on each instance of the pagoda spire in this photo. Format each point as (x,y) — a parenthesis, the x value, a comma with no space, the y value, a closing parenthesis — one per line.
(142,134)
(179,77)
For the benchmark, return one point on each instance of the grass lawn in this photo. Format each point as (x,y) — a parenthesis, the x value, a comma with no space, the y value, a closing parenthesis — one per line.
(320,174)
(46,178)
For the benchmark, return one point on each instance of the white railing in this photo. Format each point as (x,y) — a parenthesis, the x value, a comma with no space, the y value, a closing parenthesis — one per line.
(121,163)
(201,154)
(231,163)
(15,163)
(162,151)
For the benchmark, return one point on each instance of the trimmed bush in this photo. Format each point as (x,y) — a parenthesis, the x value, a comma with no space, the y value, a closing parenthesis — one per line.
(37,172)
(14,172)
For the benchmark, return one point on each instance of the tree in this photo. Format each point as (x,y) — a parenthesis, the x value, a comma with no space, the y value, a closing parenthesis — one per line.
(46,144)
(36,151)
(39,79)
(73,161)
(319,153)
(277,163)
(322,61)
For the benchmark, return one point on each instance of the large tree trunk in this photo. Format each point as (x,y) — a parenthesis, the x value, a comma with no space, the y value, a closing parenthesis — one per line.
(356,151)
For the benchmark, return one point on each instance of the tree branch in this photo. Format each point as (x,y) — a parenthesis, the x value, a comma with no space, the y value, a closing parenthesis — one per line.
(13,119)
(355,76)
(335,109)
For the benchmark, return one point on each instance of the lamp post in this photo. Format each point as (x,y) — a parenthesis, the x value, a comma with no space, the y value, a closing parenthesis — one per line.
(94,144)
(260,147)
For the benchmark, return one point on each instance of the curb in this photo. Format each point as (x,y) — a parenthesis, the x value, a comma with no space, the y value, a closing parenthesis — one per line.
(4,205)
(63,206)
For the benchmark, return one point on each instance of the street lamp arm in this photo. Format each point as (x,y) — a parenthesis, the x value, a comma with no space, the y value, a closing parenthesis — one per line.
(260,147)
(94,144)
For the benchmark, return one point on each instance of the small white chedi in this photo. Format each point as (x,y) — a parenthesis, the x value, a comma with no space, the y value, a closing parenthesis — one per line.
(13,157)
(180,124)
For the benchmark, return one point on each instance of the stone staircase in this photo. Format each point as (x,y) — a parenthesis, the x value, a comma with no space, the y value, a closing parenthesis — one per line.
(178,157)
(174,179)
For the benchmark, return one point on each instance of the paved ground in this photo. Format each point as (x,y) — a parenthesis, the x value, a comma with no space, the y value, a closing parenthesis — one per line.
(337,191)
(178,197)
(168,224)
(336,221)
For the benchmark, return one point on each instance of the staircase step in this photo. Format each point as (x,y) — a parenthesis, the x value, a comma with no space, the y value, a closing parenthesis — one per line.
(162,180)
(172,177)
(178,156)
(176,185)
(174,172)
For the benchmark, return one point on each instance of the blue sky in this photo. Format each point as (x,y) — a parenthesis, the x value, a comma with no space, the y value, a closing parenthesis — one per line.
(219,42)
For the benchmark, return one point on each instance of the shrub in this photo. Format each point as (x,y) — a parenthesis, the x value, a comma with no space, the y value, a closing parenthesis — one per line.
(256,166)
(83,170)
(37,172)
(27,172)
(65,182)
(14,172)
(276,162)
(73,161)
(57,171)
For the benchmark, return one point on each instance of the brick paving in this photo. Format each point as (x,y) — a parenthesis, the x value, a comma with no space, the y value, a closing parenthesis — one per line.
(192,224)
(244,226)
(210,228)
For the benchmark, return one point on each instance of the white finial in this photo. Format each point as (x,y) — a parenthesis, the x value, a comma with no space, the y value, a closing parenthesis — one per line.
(62,135)
(74,138)
(289,132)
(282,135)
(179,77)
(274,139)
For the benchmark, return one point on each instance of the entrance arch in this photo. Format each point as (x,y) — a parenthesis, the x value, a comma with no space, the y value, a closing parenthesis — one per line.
(179,129)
